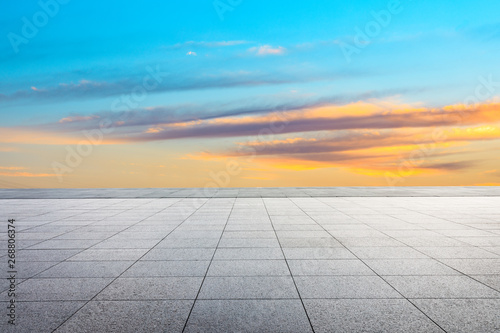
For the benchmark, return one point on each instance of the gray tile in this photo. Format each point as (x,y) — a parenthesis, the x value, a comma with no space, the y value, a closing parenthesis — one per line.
(409,267)
(152,288)
(65,244)
(167,268)
(440,287)
(77,234)
(318,253)
(309,242)
(248,234)
(302,234)
(180,254)
(296,227)
(29,269)
(39,316)
(493,249)
(465,252)
(248,287)
(367,315)
(344,287)
(245,226)
(475,266)
(188,234)
(109,255)
(463,315)
(28,255)
(126,244)
(187,243)
(481,241)
(386,252)
(122,316)
(248,253)
(248,316)
(126,234)
(329,267)
(431,241)
(248,268)
(368,233)
(249,242)
(492,281)
(87,269)
(25,235)
(60,289)
(460,231)
(369,242)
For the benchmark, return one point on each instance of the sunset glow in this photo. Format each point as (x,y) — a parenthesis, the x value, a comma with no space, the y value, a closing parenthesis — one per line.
(184,95)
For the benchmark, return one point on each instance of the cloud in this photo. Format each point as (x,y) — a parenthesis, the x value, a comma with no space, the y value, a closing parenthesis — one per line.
(12,168)
(77,119)
(352,117)
(189,114)
(368,138)
(451,166)
(65,91)
(295,116)
(26,174)
(266,50)
(170,83)
(191,53)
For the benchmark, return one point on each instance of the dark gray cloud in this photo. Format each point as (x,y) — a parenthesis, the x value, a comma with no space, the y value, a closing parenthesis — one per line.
(415,119)
(333,144)
(185,113)
(450,166)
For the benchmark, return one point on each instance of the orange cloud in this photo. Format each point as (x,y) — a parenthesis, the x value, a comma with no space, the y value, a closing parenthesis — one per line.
(26,174)
(25,135)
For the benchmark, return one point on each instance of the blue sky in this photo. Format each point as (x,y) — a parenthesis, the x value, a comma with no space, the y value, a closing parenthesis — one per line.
(256,57)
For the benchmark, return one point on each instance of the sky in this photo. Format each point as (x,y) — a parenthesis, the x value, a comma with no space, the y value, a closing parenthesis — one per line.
(237,93)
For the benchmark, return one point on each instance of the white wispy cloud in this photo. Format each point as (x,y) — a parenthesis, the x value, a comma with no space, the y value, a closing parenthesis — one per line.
(265,50)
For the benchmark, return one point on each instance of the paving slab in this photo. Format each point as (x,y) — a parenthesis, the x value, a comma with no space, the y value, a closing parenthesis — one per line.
(129,317)
(463,315)
(248,316)
(372,315)
(255,260)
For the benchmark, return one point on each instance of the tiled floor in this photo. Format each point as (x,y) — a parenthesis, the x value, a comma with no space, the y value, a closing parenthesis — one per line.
(262,264)
(251,192)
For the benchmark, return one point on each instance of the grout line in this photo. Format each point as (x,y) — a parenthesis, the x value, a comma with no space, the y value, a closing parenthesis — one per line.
(115,278)
(369,266)
(289,270)
(208,268)
(440,260)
